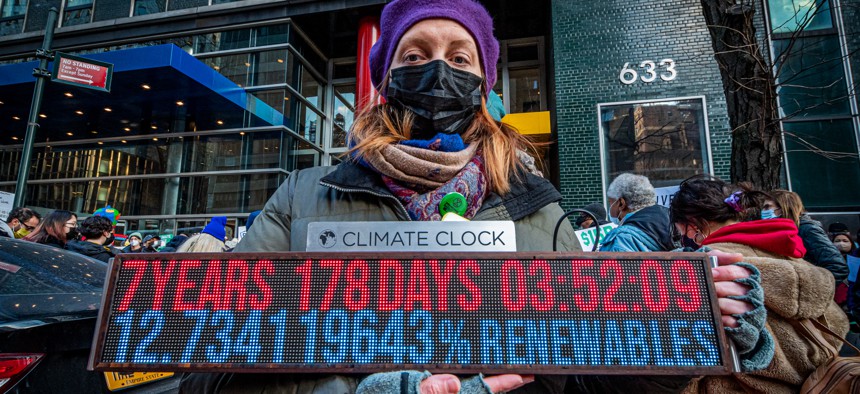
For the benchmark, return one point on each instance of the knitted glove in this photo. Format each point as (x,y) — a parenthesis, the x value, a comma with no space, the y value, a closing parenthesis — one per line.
(753,342)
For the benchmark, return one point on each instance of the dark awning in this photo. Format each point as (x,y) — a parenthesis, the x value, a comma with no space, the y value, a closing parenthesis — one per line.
(209,101)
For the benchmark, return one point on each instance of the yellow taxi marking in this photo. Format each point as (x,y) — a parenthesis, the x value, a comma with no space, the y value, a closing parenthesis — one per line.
(124,380)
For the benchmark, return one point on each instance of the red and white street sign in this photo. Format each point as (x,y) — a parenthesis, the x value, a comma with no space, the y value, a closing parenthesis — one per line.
(82,72)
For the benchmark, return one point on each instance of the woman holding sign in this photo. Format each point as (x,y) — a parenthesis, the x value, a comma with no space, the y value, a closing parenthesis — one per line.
(434,141)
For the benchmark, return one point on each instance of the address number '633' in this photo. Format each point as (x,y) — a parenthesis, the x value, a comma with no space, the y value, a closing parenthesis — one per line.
(650,72)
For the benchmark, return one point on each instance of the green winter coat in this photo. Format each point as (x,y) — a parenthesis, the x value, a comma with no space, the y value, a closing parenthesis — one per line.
(349,192)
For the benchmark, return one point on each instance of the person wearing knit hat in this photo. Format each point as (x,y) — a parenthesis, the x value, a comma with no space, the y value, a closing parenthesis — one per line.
(435,64)
(216,227)
(210,240)
(135,241)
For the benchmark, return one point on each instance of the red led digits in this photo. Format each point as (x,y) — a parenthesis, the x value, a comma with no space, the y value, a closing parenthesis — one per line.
(687,285)
(579,280)
(390,285)
(335,266)
(472,300)
(161,273)
(356,294)
(513,297)
(544,285)
(443,278)
(234,285)
(304,272)
(212,289)
(656,299)
(613,269)
(183,284)
(139,268)
(262,300)
(417,291)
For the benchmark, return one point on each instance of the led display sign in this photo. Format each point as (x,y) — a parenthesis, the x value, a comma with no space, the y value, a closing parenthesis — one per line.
(480,312)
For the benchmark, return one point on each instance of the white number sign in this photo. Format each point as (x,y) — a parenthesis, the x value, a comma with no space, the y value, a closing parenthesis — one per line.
(629,75)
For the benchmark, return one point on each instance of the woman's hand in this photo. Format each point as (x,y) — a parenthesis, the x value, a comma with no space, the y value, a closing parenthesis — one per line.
(724,275)
(450,384)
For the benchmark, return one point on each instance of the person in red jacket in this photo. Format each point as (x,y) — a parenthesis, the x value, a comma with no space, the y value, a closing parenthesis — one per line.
(709,212)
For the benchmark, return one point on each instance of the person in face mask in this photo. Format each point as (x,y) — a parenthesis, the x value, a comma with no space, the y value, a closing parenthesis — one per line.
(819,250)
(643,225)
(135,244)
(21,221)
(435,63)
(96,230)
(58,228)
(710,212)
(842,242)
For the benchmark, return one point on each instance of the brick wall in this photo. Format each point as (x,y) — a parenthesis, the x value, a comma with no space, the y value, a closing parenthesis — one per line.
(591,43)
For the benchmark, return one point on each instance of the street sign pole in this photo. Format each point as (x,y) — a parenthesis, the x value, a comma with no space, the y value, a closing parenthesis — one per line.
(42,74)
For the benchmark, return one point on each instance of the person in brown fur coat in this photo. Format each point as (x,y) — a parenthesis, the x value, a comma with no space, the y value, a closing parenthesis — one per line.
(708,211)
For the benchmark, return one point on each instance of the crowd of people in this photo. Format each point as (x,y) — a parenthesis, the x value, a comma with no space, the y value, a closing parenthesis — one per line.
(95,236)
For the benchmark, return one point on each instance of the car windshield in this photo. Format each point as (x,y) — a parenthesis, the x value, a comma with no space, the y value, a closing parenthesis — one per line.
(38,281)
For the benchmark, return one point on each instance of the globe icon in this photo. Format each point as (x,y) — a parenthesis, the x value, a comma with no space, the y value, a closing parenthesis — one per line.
(327,239)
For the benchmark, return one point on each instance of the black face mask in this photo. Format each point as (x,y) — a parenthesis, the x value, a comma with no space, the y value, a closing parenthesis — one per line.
(443,99)
(73,234)
(109,241)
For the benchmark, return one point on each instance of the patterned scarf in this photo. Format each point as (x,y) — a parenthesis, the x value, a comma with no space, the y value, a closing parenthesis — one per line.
(420,172)
(470,182)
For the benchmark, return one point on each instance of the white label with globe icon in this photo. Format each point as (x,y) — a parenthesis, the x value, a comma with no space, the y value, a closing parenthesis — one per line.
(474,236)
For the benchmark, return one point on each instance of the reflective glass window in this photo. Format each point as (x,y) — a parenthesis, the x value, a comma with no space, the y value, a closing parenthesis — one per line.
(77,16)
(823,164)
(522,53)
(787,16)
(664,140)
(146,7)
(11,26)
(222,41)
(525,90)
(11,8)
(302,119)
(271,35)
(312,89)
(344,114)
(269,68)
(234,67)
(812,80)
(274,98)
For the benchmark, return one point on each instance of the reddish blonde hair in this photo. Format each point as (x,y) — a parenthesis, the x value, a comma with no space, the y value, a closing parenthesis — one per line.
(379,126)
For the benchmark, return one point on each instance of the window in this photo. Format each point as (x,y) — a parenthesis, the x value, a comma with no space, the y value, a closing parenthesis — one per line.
(664,140)
(823,164)
(811,77)
(788,16)
(77,12)
(521,75)
(12,16)
(146,7)
(815,104)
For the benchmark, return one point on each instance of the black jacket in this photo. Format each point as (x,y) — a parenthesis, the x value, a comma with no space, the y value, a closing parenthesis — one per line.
(98,252)
(820,250)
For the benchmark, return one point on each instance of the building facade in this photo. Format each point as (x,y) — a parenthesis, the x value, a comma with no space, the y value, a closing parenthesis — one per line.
(215,102)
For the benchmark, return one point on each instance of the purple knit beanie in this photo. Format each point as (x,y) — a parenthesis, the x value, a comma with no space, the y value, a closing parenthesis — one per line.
(400,15)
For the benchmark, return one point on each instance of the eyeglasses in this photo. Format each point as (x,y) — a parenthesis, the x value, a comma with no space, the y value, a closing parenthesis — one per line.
(27,226)
(71,225)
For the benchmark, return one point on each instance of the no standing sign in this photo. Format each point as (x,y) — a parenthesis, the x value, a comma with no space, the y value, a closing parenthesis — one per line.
(82,72)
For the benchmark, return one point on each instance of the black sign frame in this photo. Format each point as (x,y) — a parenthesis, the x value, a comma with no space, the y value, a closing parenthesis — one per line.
(727,360)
